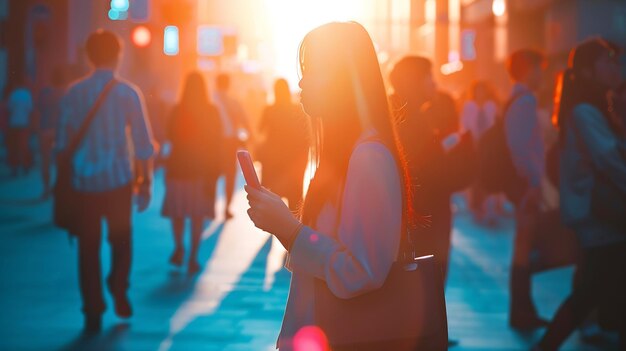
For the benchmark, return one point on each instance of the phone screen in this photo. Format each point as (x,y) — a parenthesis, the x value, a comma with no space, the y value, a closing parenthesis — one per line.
(247,168)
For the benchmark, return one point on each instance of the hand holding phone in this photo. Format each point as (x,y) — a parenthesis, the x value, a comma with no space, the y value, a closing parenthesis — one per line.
(247,168)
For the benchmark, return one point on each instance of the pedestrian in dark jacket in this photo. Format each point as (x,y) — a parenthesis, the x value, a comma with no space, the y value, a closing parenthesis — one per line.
(592,188)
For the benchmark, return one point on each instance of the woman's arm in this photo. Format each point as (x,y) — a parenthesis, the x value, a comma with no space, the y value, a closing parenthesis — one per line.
(601,143)
(369,231)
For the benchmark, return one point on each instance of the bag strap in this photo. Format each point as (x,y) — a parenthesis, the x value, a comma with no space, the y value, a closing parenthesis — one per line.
(510,101)
(406,251)
(82,131)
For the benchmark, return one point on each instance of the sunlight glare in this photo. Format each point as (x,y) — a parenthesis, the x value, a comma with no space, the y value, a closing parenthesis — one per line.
(290,20)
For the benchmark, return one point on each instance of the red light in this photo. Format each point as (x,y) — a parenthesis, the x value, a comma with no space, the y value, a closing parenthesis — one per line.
(141,36)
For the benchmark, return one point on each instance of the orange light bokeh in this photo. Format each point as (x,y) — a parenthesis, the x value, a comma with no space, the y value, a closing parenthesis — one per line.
(141,36)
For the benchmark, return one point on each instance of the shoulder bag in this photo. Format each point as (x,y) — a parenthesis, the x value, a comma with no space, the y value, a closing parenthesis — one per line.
(64,206)
(407,313)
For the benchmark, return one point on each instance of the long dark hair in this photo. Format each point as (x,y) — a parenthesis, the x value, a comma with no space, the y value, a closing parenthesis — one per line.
(347,55)
(573,87)
(194,98)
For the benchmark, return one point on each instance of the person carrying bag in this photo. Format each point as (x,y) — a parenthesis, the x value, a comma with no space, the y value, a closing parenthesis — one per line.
(407,313)
(354,280)
(65,196)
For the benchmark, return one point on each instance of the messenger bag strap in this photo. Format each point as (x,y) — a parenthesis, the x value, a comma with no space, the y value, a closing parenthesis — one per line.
(80,135)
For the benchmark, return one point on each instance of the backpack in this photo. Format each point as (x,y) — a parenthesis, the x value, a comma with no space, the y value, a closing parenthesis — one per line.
(496,171)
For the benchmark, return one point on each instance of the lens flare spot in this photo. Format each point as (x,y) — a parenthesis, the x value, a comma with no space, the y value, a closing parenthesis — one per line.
(310,338)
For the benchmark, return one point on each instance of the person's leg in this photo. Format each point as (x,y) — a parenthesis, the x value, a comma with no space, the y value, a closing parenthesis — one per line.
(120,237)
(46,143)
(523,313)
(594,279)
(88,231)
(12,151)
(196,235)
(178,228)
(476,200)
(620,293)
(24,160)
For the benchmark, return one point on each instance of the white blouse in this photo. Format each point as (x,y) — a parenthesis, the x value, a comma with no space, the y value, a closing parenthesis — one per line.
(358,259)
(477,119)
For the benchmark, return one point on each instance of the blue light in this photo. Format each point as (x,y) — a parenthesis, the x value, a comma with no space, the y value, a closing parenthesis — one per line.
(140,10)
(170,41)
(114,15)
(210,41)
(119,5)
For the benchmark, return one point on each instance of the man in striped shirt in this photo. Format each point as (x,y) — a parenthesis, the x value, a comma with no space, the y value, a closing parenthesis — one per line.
(112,160)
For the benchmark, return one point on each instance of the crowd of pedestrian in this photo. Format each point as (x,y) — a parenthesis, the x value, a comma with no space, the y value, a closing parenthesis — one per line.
(383,164)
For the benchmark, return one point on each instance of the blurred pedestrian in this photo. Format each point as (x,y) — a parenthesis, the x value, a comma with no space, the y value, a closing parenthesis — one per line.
(525,142)
(439,157)
(619,102)
(49,109)
(236,131)
(352,218)
(192,169)
(285,149)
(478,114)
(20,107)
(158,110)
(592,188)
(103,174)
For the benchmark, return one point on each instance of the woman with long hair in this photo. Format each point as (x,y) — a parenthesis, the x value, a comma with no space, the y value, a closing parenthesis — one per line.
(349,230)
(284,152)
(592,187)
(195,133)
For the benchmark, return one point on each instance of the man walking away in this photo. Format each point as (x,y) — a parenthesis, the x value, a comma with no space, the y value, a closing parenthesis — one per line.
(103,166)
(524,139)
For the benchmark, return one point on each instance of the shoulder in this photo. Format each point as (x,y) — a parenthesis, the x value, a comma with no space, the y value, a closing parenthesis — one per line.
(586,113)
(490,106)
(470,107)
(79,84)
(586,109)
(373,156)
(128,89)
(525,99)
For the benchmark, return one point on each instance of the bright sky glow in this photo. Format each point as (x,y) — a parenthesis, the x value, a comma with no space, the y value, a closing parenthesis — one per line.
(290,20)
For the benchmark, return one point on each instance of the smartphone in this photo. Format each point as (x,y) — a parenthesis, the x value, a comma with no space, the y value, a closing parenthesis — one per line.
(247,168)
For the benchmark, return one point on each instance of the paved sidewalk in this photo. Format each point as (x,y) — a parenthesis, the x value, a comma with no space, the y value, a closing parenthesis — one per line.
(237,301)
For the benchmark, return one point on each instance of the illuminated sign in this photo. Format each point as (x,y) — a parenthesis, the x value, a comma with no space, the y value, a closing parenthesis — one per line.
(210,41)
(170,41)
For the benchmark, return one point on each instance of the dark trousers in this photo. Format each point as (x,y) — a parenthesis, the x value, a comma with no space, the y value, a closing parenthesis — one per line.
(115,207)
(601,281)
(19,155)
(521,303)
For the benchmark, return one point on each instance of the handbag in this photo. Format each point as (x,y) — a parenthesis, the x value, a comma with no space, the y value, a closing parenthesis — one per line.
(407,313)
(65,201)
